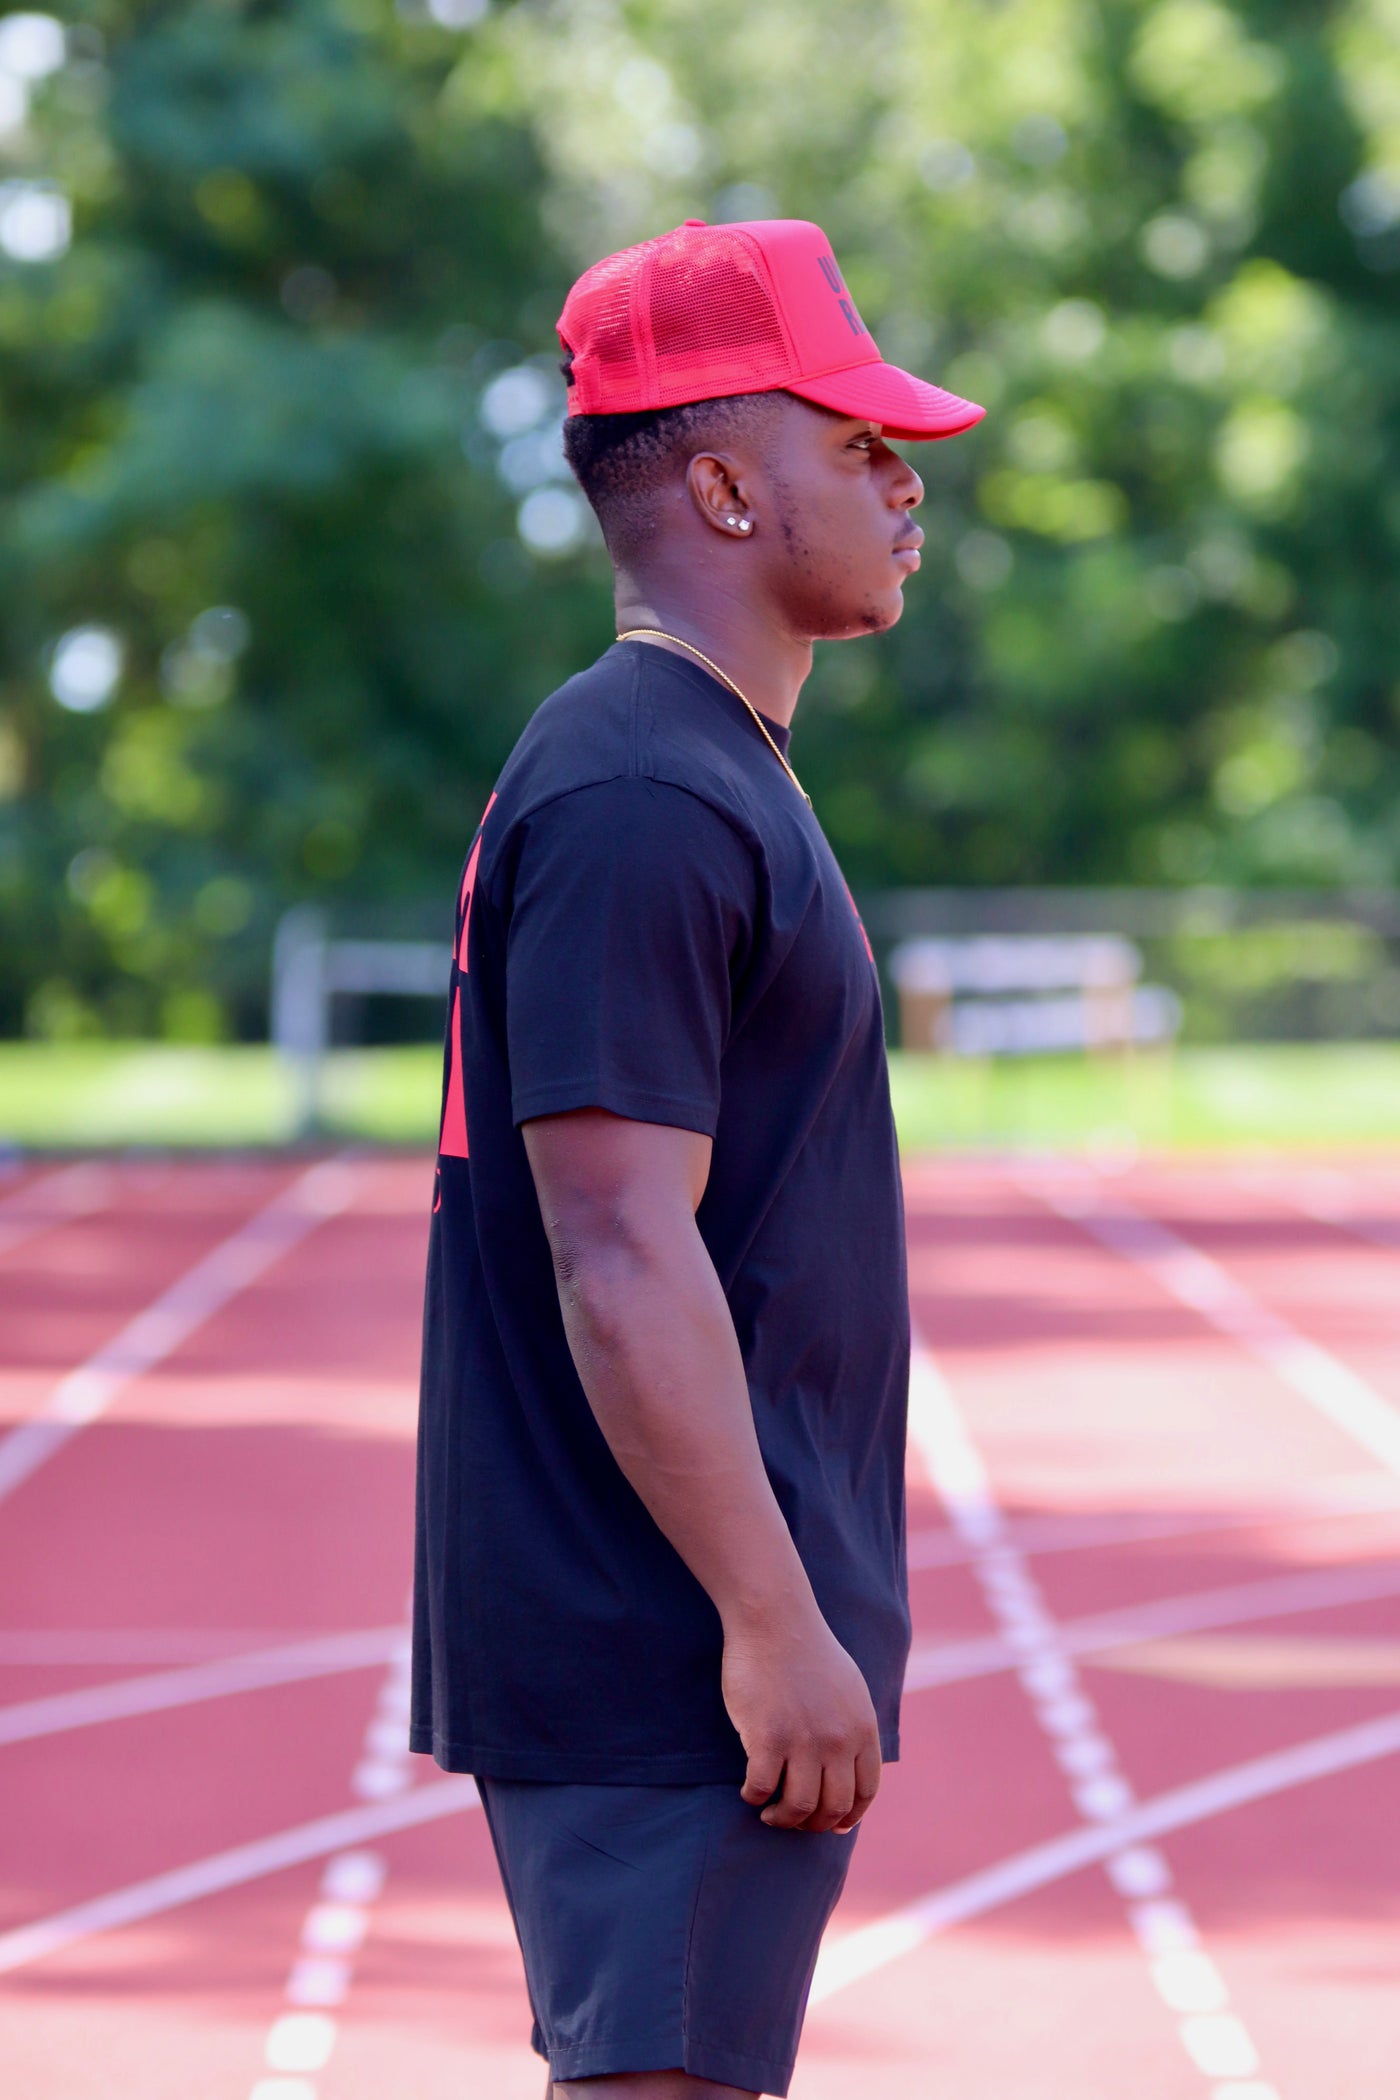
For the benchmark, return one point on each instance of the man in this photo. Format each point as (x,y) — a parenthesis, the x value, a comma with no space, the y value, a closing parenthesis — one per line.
(661,1608)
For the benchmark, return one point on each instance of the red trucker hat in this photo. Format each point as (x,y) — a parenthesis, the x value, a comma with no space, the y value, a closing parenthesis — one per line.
(739,309)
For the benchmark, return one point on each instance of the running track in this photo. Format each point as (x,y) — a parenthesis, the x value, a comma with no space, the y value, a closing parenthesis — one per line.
(1144,1838)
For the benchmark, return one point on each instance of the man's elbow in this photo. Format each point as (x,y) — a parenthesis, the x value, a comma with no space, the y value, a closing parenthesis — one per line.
(602,1249)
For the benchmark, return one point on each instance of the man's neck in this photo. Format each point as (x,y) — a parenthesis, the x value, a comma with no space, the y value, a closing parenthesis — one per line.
(768,666)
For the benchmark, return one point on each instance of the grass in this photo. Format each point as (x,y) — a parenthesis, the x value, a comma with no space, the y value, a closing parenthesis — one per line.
(74,1096)
(1244,1094)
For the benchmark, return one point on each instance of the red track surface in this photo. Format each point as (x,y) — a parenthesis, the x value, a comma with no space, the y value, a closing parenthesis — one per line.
(1105,1442)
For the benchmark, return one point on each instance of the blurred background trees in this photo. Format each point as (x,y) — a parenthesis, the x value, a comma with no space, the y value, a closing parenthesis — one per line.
(288,553)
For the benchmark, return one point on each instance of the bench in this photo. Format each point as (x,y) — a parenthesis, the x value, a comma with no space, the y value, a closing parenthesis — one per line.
(1011,995)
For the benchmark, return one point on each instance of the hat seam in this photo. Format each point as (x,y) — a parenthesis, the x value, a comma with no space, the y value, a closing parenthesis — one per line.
(643,332)
(859,364)
(770,280)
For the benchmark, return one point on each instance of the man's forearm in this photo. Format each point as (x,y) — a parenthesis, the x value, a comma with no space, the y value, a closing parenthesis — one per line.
(654,1344)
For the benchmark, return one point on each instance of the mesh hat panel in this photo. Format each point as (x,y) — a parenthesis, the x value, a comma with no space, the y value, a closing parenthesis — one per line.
(706,301)
(599,325)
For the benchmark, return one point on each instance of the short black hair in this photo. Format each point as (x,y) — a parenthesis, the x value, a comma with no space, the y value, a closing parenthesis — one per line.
(621,462)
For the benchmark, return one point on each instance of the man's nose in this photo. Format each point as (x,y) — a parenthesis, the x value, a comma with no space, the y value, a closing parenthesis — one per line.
(907,490)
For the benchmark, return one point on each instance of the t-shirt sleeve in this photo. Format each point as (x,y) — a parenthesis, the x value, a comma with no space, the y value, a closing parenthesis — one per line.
(630,917)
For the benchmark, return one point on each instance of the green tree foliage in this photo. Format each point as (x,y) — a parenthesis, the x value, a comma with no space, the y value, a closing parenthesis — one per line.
(281,519)
(1154,634)
(232,456)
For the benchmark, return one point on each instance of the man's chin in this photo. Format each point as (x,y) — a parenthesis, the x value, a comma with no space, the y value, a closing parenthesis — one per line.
(884,611)
(880,610)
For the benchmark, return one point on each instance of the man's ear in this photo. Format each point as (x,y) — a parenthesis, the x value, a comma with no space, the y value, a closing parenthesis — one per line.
(715,484)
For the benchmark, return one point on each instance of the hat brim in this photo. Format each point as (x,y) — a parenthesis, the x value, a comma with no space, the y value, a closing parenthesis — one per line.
(904,406)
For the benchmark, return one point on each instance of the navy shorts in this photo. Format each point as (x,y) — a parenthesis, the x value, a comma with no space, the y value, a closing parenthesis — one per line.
(663,1927)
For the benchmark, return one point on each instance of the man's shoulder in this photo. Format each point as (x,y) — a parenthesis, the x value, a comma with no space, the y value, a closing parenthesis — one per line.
(582,734)
(628,718)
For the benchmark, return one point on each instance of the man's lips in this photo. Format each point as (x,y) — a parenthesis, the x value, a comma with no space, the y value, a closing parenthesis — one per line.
(907,549)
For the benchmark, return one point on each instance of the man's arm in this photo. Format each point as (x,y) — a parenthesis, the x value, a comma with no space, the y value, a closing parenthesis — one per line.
(654,1343)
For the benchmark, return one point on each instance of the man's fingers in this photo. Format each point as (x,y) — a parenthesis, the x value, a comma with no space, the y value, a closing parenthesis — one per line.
(763,1778)
(849,1822)
(837,1795)
(802,1790)
(867,1777)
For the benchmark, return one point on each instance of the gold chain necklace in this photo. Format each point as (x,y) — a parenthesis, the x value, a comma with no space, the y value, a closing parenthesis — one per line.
(659,634)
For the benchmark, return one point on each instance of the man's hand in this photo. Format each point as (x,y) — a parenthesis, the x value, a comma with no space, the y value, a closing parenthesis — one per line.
(806,1722)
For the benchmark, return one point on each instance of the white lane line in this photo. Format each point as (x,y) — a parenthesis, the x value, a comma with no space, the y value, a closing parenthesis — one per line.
(53,1199)
(229,1870)
(1125,1842)
(1199,1282)
(1203,1611)
(328,1656)
(1186,1979)
(941,1548)
(302,2037)
(174,1316)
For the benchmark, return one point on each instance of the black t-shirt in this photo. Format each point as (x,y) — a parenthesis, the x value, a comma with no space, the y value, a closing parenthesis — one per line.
(650,921)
